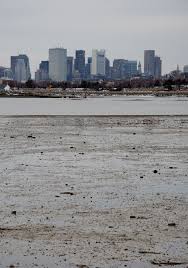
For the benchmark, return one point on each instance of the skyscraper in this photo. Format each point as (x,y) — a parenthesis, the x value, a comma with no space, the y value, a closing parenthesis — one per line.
(25,59)
(44,69)
(42,74)
(98,63)
(88,69)
(58,64)
(70,68)
(149,62)
(79,64)
(157,67)
(130,68)
(119,66)
(44,66)
(185,69)
(20,71)
(107,69)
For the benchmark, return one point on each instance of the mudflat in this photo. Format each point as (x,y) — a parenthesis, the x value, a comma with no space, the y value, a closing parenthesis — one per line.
(94,191)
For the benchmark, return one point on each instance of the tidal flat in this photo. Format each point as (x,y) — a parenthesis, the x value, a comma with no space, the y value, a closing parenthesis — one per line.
(94,191)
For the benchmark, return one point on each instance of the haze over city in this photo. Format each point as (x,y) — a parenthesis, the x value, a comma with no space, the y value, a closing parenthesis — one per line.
(125,28)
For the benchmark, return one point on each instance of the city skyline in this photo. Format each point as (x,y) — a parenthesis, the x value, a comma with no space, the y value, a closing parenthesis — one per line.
(61,67)
(125,28)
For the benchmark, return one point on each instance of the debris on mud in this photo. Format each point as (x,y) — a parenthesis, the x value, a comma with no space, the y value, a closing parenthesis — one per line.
(172,224)
(167,263)
(14,212)
(31,137)
(67,193)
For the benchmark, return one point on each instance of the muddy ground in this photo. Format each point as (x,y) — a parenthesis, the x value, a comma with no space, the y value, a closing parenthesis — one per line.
(94,191)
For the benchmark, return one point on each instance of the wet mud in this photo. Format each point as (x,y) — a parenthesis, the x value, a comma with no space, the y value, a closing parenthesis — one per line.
(101,191)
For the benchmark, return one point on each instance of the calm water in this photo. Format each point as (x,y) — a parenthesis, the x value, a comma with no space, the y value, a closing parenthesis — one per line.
(126,105)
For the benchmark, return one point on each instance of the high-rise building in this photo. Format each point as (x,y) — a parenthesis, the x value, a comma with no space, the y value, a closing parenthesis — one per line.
(44,66)
(149,62)
(24,59)
(124,69)
(157,67)
(58,64)
(130,69)
(42,74)
(139,68)
(6,73)
(185,69)
(107,69)
(70,68)
(98,63)
(20,71)
(79,64)
(44,69)
(118,71)
(88,69)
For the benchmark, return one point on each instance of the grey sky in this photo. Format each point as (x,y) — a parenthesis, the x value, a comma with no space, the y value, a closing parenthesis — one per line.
(123,27)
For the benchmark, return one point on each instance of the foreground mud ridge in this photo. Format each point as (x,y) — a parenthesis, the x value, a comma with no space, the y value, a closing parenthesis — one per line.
(94,191)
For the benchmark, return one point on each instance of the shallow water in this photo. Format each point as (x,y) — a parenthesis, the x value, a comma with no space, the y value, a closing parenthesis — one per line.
(124,105)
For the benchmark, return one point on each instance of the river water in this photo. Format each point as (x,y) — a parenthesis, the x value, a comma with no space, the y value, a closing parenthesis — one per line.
(124,105)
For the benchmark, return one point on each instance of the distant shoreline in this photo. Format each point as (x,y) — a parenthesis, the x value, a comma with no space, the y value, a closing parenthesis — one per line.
(82,93)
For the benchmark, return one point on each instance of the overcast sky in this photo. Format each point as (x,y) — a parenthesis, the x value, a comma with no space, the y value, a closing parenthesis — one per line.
(123,27)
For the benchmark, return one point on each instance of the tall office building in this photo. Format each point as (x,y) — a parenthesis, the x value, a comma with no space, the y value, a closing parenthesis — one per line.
(6,73)
(79,64)
(98,63)
(157,67)
(88,69)
(149,62)
(107,69)
(42,74)
(44,66)
(118,71)
(58,64)
(44,70)
(70,68)
(185,69)
(24,59)
(20,71)
(130,69)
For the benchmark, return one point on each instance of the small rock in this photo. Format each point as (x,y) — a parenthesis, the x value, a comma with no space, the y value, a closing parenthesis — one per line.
(132,217)
(172,224)
(68,193)
(13,212)
(155,171)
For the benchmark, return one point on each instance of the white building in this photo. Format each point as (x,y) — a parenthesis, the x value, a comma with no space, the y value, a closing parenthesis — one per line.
(20,71)
(58,64)
(98,63)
